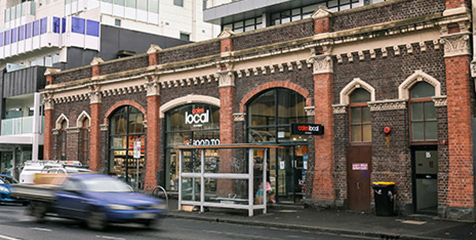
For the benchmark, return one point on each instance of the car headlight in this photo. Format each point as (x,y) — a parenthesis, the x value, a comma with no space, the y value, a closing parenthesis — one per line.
(120,207)
(4,189)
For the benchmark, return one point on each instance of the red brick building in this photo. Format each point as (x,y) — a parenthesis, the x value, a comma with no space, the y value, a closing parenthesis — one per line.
(390,83)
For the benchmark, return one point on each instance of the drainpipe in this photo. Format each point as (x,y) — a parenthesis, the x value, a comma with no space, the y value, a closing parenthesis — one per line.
(36,127)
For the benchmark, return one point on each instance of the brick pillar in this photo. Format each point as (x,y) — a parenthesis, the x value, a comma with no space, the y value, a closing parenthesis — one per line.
(95,134)
(95,108)
(49,115)
(48,135)
(323,191)
(153,134)
(460,193)
(226,81)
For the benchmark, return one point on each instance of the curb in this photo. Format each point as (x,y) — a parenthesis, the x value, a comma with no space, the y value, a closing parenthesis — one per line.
(325,230)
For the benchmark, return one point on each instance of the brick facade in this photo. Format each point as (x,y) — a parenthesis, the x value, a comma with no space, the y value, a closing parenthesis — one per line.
(287,56)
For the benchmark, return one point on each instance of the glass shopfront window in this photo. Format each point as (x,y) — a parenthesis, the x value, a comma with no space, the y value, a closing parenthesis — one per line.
(270,117)
(191,124)
(127,129)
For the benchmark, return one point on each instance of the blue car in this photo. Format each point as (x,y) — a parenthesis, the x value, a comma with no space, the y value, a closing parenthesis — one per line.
(101,199)
(5,189)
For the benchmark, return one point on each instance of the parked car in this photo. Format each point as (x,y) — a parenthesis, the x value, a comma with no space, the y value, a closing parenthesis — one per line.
(94,198)
(5,189)
(33,167)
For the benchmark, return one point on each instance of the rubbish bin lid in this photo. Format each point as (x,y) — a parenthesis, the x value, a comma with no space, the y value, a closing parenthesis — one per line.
(383,183)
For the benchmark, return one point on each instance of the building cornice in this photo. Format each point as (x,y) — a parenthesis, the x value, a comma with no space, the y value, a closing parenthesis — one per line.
(260,53)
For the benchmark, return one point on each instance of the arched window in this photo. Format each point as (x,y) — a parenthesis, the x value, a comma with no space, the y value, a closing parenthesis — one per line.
(126,132)
(271,114)
(63,144)
(360,119)
(423,113)
(84,142)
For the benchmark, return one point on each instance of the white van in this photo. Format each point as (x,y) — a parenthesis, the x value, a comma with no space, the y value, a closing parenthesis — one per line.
(33,167)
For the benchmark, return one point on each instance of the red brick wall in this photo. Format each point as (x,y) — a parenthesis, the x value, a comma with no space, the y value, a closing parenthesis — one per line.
(153,59)
(321,25)
(226,45)
(48,136)
(95,141)
(454,3)
(460,178)
(153,142)
(323,188)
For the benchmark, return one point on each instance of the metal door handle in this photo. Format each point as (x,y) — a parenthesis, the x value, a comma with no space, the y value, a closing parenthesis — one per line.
(358,185)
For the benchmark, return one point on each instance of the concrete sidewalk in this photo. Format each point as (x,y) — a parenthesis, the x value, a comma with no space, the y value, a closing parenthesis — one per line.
(337,222)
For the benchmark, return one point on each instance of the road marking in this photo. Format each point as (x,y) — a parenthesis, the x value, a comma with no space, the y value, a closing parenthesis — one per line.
(109,237)
(8,238)
(41,229)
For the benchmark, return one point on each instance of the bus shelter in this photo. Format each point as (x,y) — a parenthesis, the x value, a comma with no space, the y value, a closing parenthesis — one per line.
(224,176)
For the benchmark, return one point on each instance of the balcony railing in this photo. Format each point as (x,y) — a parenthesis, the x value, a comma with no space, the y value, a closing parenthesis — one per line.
(17,126)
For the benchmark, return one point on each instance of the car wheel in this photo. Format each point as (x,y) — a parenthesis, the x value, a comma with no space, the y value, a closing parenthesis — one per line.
(38,211)
(97,220)
(152,223)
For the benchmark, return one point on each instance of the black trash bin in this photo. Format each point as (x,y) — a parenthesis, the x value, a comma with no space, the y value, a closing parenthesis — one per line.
(385,198)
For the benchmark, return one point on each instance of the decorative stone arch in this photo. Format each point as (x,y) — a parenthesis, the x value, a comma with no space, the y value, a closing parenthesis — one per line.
(121,104)
(188,100)
(80,119)
(276,84)
(59,120)
(352,86)
(418,76)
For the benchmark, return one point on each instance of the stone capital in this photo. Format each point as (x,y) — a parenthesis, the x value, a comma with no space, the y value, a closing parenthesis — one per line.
(239,117)
(104,127)
(226,78)
(440,101)
(322,64)
(94,94)
(152,88)
(473,68)
(456,44)
(48,102)
(339,108)
(310,111)
(94,97)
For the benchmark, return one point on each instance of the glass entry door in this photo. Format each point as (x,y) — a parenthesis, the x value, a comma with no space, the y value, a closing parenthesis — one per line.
(290,174)
(425,180)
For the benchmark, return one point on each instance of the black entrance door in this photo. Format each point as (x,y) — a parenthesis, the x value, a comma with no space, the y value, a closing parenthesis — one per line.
(425,180)
(290,173)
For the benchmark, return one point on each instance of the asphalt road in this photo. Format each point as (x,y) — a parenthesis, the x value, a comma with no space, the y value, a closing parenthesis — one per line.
(16,225)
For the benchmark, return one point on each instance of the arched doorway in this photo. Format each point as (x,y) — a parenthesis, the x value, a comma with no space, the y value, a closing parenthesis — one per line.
(190,124)
(269,118)
(126,129)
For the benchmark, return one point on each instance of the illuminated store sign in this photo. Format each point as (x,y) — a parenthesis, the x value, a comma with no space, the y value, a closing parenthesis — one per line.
(198,116)
(307,129)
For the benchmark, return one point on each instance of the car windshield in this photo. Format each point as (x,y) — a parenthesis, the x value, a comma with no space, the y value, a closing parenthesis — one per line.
(106,185)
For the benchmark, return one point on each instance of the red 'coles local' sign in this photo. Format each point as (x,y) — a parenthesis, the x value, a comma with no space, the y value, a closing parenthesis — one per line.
(307,129)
